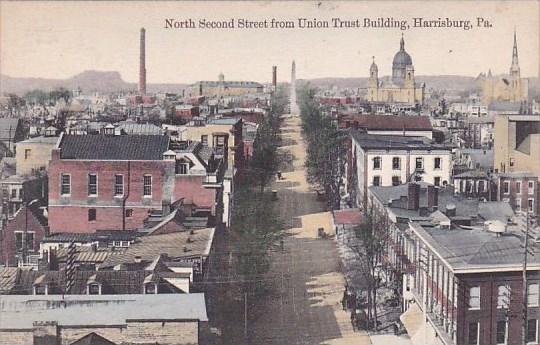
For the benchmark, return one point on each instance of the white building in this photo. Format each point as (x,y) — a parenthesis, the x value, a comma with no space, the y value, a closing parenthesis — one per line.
(380,160)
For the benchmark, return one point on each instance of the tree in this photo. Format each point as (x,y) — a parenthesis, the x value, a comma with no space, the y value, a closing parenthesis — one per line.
(372,236)
(325,152)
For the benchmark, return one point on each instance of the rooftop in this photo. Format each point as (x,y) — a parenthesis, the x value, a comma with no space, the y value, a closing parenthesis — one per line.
(19,312)
(391,122)
(394,142)
(114,147)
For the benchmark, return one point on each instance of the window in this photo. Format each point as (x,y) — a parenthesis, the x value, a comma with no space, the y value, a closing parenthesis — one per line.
(117,243)
(13,194)
(501,332)
(376,180)
(530,205)
(92,184)
(437,163)
(118,185)
(147,185)
(92,215)
(204,140)
(518,205)
(437,181)
(506,187)
(65,181)
(481,186)
(503,296)
(532,295)
(183,168)
(150,288)
(530,187)
(474,297)
(376,163)
(532,331)
(19,240)
(27,153)
(94,289)
(396,163)
(40,289)
(518,187)
(396,181)
(129,213)
(419,163)
(473,333)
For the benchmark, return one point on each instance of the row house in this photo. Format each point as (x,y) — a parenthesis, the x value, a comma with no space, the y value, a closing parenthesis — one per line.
(391,160)
(461,282)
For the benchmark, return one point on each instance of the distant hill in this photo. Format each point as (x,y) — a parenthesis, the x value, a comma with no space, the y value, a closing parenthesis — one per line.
(88,81)
(439,82)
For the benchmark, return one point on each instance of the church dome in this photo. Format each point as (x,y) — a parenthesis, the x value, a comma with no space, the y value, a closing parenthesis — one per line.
(402,58)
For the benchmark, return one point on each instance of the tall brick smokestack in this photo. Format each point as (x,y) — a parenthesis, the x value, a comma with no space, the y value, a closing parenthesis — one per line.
(274,77)
(142,63)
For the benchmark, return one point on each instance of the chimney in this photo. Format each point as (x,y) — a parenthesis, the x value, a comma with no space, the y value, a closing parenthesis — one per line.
(274,77)
(142,63)
(137,259)
(432,197)
(413,196)
(450,210)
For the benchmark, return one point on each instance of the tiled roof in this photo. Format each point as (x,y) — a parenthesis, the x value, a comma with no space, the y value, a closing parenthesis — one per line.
(392,122)
(8,278)
(140,128)
(114,147)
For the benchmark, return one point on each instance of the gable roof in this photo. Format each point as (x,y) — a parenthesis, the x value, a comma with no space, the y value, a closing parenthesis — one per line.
(93,339)
(114,147)
(8,128)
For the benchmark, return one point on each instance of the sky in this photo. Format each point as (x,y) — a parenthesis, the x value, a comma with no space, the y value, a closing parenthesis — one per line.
(58,40)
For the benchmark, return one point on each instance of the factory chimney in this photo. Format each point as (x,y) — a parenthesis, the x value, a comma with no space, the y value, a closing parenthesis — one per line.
(142,63)
(274,77)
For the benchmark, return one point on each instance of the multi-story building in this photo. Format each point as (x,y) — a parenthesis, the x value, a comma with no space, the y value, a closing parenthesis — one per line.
(107,182)
(520,189)
(221,87)
(416,126)
(33,155)
(385,160)
(517,143)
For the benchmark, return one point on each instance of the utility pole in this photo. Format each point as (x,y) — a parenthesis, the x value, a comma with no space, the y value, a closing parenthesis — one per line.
(525,287)
(245,317)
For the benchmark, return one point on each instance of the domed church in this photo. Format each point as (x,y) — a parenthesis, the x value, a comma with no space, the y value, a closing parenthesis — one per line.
(401,88)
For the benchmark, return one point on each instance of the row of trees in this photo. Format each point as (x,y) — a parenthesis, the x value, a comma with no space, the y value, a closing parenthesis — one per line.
(325,160)
(257,228)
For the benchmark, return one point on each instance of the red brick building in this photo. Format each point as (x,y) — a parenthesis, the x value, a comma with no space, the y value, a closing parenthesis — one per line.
(520,189)
(186,111)
(106,182)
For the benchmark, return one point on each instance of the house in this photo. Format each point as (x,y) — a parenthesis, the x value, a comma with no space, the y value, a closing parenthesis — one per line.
(11,132)
(520,189)
(17,190)
(186,112)
(33,155)
(390,160)
(168,319)
(108,182)
(21,236)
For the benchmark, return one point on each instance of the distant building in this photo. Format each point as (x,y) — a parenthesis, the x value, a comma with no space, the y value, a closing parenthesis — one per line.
(400,125)
(33,155)
(510,87)
(223,88)
(402,87)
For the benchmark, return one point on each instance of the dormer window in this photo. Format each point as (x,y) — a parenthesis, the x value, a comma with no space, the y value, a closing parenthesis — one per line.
(182,168)
(150,288)
(41,289)
(93,289)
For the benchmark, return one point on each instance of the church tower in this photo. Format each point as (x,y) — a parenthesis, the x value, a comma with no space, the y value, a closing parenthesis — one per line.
(515,78)
(373,82)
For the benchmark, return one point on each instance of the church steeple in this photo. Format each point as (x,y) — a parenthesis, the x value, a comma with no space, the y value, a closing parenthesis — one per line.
(514,69)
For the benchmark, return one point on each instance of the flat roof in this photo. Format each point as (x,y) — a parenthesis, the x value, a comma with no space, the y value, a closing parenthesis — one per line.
(20,311)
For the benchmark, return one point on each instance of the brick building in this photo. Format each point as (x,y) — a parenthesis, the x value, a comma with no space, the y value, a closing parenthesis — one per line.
(520,189)
(107,182)
(21,237)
